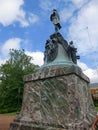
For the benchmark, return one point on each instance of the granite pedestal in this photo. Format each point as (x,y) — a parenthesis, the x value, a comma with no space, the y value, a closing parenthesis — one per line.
(56,98)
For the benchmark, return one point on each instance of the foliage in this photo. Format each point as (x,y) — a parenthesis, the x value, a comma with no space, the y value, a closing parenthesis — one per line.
(95,101)
(11,80)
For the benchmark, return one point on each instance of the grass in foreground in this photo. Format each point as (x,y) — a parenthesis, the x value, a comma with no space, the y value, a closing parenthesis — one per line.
(10,114)
(96,109)
(14,113)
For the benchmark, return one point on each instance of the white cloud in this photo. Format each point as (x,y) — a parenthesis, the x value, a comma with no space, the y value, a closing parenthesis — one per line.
(66,13)
(22,19)
(91,73)
(11,11)
(46,5)
(82,65)
(86,39)
(37,57)
(13,43)
(49,5)
(79,3)
(33,18)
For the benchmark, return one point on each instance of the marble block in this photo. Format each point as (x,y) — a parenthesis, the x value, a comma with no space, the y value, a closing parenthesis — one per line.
(56,98)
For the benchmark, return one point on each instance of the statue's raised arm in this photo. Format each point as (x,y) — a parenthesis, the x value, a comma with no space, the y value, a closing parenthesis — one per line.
(54,17)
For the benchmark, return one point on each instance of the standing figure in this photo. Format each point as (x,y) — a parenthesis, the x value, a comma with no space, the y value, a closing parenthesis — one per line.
(55,19)
(51,50)
(72,52)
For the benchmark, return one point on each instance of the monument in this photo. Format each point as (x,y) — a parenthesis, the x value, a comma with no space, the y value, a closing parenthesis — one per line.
(57,97)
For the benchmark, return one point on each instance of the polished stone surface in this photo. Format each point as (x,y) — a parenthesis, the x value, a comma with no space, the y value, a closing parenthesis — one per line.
(56,98)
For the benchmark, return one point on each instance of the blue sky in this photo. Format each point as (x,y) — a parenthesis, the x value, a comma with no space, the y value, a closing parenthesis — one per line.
(25,24)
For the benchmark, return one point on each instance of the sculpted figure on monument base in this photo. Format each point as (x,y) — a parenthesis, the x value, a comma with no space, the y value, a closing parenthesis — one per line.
(72,52)
(55,19)
(51,50)
(57,47)
(52,47)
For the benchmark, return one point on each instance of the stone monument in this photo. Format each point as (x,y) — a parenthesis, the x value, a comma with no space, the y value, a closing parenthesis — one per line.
(57,97)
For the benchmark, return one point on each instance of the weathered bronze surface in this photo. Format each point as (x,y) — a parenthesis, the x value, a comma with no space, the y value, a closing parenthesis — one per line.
(58,50)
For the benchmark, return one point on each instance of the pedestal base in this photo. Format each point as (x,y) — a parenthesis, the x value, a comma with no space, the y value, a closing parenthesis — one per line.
(56,98)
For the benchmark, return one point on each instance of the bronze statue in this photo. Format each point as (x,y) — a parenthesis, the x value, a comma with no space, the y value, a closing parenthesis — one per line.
(72,52)
(57,46)
(55,19)
(51,49)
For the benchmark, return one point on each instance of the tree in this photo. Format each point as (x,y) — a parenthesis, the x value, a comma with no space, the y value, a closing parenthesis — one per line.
(11,79)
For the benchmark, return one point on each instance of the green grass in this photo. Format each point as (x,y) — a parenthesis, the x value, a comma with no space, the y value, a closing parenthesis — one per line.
(10,114)
(96,109)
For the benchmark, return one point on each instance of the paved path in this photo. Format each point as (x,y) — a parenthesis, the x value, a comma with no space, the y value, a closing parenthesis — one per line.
(5,121)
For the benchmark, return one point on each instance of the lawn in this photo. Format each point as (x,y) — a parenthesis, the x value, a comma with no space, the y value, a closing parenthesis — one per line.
(10,114)
(96,109)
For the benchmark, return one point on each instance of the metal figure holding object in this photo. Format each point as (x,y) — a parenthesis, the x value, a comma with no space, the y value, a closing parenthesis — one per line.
(54,17)
(72,52)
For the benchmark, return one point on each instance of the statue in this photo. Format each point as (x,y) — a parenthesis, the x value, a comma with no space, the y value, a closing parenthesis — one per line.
(57,47)
(57,96)
(52,45)
(55,19)
(72,52)
(51,50)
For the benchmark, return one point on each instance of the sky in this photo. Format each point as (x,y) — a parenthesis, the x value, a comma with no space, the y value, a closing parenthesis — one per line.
(25,24)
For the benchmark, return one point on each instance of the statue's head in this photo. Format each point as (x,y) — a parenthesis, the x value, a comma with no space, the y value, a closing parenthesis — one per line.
(54,10)
(71,42)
